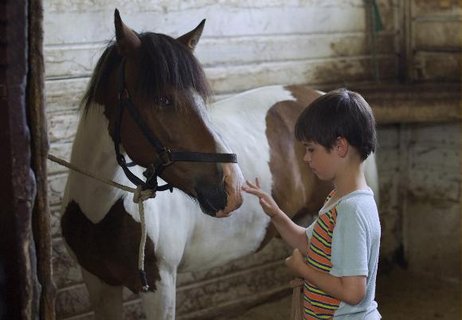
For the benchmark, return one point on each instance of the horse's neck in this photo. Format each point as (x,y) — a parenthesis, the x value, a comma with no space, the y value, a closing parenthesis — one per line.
(241,120)
(93,151)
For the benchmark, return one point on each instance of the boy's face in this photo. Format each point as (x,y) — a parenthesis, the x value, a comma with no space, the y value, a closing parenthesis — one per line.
(322,161)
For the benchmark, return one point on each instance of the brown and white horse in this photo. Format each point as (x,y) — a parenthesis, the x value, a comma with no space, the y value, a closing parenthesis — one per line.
(168,90)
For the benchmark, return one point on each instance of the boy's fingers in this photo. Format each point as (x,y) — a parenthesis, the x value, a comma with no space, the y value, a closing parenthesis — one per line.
(251,184)
(264,202)
(254,191)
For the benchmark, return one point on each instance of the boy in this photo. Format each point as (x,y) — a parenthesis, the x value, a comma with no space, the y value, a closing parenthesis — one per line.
(341,247)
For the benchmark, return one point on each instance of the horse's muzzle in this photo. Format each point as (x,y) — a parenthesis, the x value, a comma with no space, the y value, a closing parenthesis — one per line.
(212,200)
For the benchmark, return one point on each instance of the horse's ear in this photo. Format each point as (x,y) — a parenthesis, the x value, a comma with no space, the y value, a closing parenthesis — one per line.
(191,38)
(127,40)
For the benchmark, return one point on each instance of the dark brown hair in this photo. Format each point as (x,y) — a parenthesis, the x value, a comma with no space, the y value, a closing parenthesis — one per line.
(339,113)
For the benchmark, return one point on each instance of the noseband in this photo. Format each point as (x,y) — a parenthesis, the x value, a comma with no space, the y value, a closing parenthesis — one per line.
(165,156)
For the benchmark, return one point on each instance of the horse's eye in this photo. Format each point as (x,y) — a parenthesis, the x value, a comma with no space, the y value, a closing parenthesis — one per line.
(165,101)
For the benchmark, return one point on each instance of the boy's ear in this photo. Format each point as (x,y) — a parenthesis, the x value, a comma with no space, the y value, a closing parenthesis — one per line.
(341,147)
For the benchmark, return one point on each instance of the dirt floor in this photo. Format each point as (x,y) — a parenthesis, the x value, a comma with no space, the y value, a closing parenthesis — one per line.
(400,295)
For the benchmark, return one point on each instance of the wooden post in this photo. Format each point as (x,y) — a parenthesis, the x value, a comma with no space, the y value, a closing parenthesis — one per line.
(39,149)
(19,286)
(404,40)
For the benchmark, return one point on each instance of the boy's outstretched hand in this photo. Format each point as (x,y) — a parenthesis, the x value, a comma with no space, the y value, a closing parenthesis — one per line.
(267,203)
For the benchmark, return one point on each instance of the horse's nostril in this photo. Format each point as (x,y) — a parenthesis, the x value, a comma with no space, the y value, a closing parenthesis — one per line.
(211,200)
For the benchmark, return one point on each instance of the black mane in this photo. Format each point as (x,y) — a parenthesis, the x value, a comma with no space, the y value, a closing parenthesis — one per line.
(164,63)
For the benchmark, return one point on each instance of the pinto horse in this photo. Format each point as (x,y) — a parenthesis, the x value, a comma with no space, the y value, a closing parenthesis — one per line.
(163,87)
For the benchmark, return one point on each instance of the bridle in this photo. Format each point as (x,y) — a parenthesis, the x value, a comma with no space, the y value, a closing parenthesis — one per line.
(165,156)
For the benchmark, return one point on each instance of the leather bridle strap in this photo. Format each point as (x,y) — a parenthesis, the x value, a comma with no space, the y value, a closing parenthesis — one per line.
(165,156)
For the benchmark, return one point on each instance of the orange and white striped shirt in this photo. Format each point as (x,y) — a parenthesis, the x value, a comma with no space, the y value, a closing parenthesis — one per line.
(344,241)
(317,304)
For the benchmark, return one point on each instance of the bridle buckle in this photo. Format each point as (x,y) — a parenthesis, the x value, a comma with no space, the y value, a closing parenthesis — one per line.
(165,157)
(123,95)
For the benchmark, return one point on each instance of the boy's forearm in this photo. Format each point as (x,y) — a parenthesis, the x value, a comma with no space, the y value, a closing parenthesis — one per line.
(350,291)
(293,234)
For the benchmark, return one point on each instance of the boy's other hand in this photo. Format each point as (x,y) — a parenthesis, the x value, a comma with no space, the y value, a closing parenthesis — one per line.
(267,203)
(296,263)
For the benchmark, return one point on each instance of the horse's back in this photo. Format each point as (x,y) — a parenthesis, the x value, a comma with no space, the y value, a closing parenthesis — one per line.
(296,189)
(264,122)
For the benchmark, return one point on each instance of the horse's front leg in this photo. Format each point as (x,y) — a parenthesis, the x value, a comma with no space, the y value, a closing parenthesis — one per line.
(160,305)
(106,300)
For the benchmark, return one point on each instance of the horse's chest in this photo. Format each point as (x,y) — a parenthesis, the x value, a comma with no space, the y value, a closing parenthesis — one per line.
(109,248)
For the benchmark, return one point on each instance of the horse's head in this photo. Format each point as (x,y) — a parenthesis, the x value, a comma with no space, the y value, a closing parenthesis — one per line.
(166,87)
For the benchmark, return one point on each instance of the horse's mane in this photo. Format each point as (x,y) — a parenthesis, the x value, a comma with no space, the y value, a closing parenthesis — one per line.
(164,62)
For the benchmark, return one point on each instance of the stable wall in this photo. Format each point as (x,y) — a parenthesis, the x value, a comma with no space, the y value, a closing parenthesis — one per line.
(418,159)
(431,219)
(434,40)
(430,152)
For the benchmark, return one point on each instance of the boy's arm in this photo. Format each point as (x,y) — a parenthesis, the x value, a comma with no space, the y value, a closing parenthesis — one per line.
(351,289)
(293,234)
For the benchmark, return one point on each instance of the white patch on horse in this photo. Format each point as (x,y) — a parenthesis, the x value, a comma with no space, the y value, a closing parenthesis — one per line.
(199,103)
(93,150)
(242,124)
(372,176)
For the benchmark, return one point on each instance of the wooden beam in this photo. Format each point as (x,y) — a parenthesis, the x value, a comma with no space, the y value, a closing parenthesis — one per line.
(414,103)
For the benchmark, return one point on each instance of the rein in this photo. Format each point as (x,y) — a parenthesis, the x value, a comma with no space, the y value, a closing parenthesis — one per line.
(139,196)
(165,156)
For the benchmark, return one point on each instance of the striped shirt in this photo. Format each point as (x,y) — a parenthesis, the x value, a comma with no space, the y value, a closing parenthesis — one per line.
(317,304)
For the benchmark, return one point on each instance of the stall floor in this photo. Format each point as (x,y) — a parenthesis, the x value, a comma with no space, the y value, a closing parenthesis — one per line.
(401,295)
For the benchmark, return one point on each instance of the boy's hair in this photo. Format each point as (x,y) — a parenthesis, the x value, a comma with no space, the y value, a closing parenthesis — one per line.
(339,113)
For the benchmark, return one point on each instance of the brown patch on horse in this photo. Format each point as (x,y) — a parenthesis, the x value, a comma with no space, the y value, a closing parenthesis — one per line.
(303,95)
(295,188)
(107,252)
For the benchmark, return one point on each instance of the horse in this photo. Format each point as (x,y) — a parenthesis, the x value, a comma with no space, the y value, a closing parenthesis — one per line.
(171,132)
